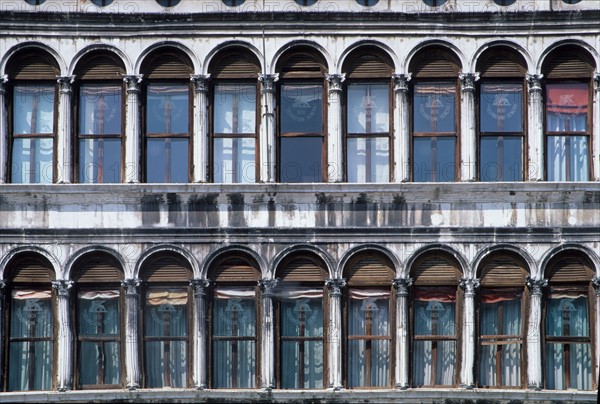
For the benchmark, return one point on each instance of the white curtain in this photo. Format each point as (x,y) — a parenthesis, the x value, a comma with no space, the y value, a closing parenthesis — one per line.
(567,158)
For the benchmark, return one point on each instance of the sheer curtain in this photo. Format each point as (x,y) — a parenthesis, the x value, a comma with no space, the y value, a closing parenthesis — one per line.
(31,340)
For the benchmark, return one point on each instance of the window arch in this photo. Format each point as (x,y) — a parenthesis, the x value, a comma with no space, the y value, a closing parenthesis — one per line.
(100,118)
(166,321)
(167,116)
(435,320)
(32,118)
(302,120)
(369,313)
(568,72)
(435,115)
(368,120)
(234,328)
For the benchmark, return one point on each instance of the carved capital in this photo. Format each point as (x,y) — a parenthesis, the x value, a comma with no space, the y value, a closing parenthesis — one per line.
(62,287)
(402,285)
(467,81)
(200,286)
(268,82)
(534,83)
(597,81)
(536,285)
(267,286)
(3,81)
(65,83)
(131,286)
(595,284)
(469,285)
(335,286)
(133,82)
(401,82)
(200,82)
(335,82)
(2,288)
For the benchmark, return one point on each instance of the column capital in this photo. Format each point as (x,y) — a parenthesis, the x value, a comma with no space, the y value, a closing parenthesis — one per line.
(131,286)
(335,81)
(534,82)
(402,285)
(268,82)
(200,286)
(3,81)
(62,287)
(65,83)
(2,287)
(595,284)
(200,82)
(401,82)
(469,285)
(536,285)
(335,286)
(267,286)
(133,82)
(467,81)
(597,81)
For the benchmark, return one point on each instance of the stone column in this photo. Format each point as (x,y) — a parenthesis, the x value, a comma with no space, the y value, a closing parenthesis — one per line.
(2,324)
(596,284)
(200,376)
(401,134)
(534,333)
(201,127)
(4,172)
(535,128)
(267,142)
(468,338)
(65,335)
(64,163)
(335,332)
(132,129)
(335,138)
(267,287)
(132,348)
(596,130)
(402,336)
(468,127)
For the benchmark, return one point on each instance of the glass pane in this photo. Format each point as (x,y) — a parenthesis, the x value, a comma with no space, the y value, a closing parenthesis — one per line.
(501,108)
(434,363)
(368,159)
(579,362)
(32,160)
(301,108)
(567,317)
(167,160)
(235,317)
(434,159)
(567,107)
(301,159)
(567,158)
(33,109)
(100,110)
(99,363)
(167,110)
(235,160)
(99,160)
(235,108)
(368,108)
(434,107)
(166,364)
(501,158)
(434,317)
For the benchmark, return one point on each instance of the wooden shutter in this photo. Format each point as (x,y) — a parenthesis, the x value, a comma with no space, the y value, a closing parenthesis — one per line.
(501,64)
(98,270)
(167,268)
(302,269)
(235,66)
(368,66)
(101,67)
(32,270)
(235,269)
(370,270)
(435,64)
(302,65)
(569,270)
(33,66)
(168,65)
(436,271)
(503,271)
(568,64)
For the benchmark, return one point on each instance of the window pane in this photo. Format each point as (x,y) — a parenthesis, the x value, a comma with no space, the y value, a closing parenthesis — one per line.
(167,160)
(368,108)
(567,158)
(100,110)
(235,160)
(167,109)
(434,107)
(368,159)
(301,108)
(99,160)
(235,108)
(32,160)
(567,107)
(428,355)
(434,159)
(301,159)
(33,109)
(501,108)
(500,158)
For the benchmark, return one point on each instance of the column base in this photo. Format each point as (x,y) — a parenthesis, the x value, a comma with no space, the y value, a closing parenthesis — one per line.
(402,387)
(534,387)
(467,386)
(133,386)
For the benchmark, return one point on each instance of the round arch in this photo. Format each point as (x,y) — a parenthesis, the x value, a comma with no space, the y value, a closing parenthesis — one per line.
(553,253)
(148,254)
(426,44)
(32,45)
(568,42)
(502,44)
(92,250)
(19,251)
(228,46)
(496,249)
(100,48)
(290,46)
(303,248)
(167,44)
(366,43)
(364,248)
(423,251)
(223,252)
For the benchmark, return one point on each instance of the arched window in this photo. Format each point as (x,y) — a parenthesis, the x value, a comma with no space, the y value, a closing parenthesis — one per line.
(435,116)
(501,115)
(301,348)
(167,310)
(33,112)
(435,321)
(100,121)
(167,116)
(302,120)
(568,73)
(234,133)
(30,333)
(99,321)
(502,329)
(568,349)
(368,120)
(369,320)
(234,361)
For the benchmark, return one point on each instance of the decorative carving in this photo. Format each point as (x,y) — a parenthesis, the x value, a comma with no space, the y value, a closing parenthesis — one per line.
(200,286)
(65,83)
(401,82)
(469,285)
(595,284)
(335,286)
(536,285)
(335,82)
(597,81)
(2,288)
(131,286)
(268,82)
(3,81)
(62,287)
(468,80)
(534,82)
(402,285)
(133,82)
(267,286)
(200,82)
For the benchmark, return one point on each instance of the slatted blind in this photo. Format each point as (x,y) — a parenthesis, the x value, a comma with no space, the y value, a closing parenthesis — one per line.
(235,66)
(302,65)
(370,270)
(435,64)
(302,269)
(503,271)
(32,270)
(436,271)
(501,64)
(98,270)
(568,64)
(569,270)
(167,65)
(235,269)
(33,66)
(368,66)
(101,67)
(167,268)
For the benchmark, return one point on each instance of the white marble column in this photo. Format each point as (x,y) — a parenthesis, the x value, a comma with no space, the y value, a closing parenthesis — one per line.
(534,333)
(64,371)
(596,130)
(401,130)
(200,375)
(64,163)
(335,332)
(201,127)
(596,284)
(267,287)
(132,129)
(467,378)
(535,135)
(4,173)
(267,142)
(3,326)
(402,336)
(335,138)
(132,344)
(468,127)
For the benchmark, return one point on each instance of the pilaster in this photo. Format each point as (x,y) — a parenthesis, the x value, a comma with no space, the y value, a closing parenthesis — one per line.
(201,128)
(335,287)
(335,158)
(535,128)
(64,163)
(267,142)
(467,378)
(65,335)
(200,375)
(132,129)
(402,286)
(267,287)
(132,349)
(401,134)
(468,132)
(534,333)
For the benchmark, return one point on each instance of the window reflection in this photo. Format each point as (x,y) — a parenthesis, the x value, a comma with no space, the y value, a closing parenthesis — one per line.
(301,159)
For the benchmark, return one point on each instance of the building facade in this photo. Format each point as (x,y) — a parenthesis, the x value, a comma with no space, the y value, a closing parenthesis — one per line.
(289,200)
